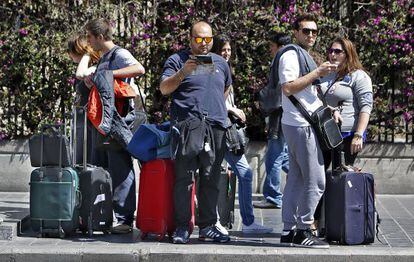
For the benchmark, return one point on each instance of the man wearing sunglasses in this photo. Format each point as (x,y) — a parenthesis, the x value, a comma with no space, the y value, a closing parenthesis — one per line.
(306,178)
(196,95)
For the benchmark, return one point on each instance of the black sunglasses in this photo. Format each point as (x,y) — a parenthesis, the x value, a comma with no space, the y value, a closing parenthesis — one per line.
(307,31)
(335,50)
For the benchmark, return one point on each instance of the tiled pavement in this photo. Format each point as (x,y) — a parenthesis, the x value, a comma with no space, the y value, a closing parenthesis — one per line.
(396,232)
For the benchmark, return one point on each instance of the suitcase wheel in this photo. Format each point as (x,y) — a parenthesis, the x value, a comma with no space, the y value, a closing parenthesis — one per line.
(160,237)
(90,228)
(143,235)
(61,233)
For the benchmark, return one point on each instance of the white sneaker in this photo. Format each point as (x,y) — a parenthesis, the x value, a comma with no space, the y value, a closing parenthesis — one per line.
(256,229)
(222,229)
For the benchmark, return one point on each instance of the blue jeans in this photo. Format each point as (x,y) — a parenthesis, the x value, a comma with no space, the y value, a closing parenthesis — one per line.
(244,173)
(277,158)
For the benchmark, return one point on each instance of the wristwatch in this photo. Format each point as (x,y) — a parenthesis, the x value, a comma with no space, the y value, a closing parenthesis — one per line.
(357,135)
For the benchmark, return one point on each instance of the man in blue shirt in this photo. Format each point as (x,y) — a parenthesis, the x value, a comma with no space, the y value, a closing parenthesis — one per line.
(199,112)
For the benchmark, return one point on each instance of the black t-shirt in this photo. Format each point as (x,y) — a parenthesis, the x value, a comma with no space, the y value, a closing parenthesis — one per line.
(201,93)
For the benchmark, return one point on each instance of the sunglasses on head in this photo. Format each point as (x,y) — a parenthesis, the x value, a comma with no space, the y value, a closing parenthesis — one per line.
(307,31)
(336,51)
(207,39)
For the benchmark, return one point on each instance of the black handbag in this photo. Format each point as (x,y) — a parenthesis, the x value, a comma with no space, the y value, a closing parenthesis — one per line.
(326,129)
(141,117)
(236,139)
(50,147)
(267,98)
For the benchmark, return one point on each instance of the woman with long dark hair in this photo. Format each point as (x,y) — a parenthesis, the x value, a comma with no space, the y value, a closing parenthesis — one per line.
(349,91)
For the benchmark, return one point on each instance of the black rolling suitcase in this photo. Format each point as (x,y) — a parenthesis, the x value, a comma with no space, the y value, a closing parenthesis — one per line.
(96,213)
(226,197)
(350,214)
(54,194)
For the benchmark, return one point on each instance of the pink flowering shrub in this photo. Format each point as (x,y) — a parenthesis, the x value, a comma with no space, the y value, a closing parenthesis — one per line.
(36,75)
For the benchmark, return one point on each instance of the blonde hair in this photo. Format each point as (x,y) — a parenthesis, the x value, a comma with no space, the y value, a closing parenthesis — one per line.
(78,45)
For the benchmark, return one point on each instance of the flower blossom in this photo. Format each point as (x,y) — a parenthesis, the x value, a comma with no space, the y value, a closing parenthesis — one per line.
(407,116)
(23,32)
(377,20)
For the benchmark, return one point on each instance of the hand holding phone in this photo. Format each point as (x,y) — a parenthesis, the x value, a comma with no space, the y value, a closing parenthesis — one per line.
(204,59)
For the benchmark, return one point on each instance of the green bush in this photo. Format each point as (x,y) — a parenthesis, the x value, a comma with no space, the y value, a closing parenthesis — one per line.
(36,76)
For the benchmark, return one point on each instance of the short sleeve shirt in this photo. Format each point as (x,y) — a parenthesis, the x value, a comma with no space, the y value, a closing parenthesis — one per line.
(289,70)
(201,93)
(122,58)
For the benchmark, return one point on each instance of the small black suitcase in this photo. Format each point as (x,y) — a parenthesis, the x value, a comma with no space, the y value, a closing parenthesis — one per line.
(54,146)
(350,215)
(96,212)
(226,197)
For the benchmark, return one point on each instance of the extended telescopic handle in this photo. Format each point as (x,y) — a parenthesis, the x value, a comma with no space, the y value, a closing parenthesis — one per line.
(80,110)
(85,137)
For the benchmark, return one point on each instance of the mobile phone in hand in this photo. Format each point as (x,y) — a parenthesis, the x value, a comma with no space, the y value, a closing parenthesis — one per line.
(204,59)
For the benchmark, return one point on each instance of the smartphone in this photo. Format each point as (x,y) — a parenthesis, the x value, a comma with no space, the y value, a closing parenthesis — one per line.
(204,59)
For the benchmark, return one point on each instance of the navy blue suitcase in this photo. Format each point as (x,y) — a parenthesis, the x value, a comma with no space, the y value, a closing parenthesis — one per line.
(350,214)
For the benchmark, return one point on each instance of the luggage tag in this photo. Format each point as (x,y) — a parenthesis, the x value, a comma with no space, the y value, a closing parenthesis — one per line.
(207,147)
(99,198)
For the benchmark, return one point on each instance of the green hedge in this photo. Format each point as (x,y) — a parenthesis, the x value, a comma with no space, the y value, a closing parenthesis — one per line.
(37,75)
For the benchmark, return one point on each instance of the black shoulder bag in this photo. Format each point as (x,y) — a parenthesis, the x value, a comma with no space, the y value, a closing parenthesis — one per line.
(325,127)
(141,117)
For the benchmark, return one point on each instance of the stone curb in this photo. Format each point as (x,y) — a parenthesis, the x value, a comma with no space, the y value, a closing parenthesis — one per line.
(160,253)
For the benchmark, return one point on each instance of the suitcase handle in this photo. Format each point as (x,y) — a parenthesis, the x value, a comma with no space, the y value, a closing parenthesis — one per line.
(82,109)
(79,199)
(356,207)
(60,135)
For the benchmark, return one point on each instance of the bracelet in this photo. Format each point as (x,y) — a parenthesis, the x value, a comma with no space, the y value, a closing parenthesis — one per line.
(357,135)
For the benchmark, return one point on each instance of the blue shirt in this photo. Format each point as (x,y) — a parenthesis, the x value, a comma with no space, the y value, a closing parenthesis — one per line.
(201,93)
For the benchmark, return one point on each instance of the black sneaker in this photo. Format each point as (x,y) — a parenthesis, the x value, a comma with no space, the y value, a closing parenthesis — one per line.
(286,238)
(181,236)
(305,238)
(212,233)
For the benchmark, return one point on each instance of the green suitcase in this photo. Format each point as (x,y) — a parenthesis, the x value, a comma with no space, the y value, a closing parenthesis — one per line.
(54,201)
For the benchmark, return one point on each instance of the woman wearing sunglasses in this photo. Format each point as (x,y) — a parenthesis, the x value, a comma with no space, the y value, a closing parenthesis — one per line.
(238,163)
(349,91)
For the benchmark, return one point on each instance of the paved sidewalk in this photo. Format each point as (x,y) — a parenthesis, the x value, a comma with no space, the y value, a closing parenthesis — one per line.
(396,232)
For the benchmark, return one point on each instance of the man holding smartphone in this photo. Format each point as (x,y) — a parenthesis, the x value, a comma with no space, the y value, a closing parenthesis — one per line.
(198,96)
(305,185)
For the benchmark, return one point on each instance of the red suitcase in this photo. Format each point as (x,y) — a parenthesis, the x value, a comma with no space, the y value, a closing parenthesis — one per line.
(156,200)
